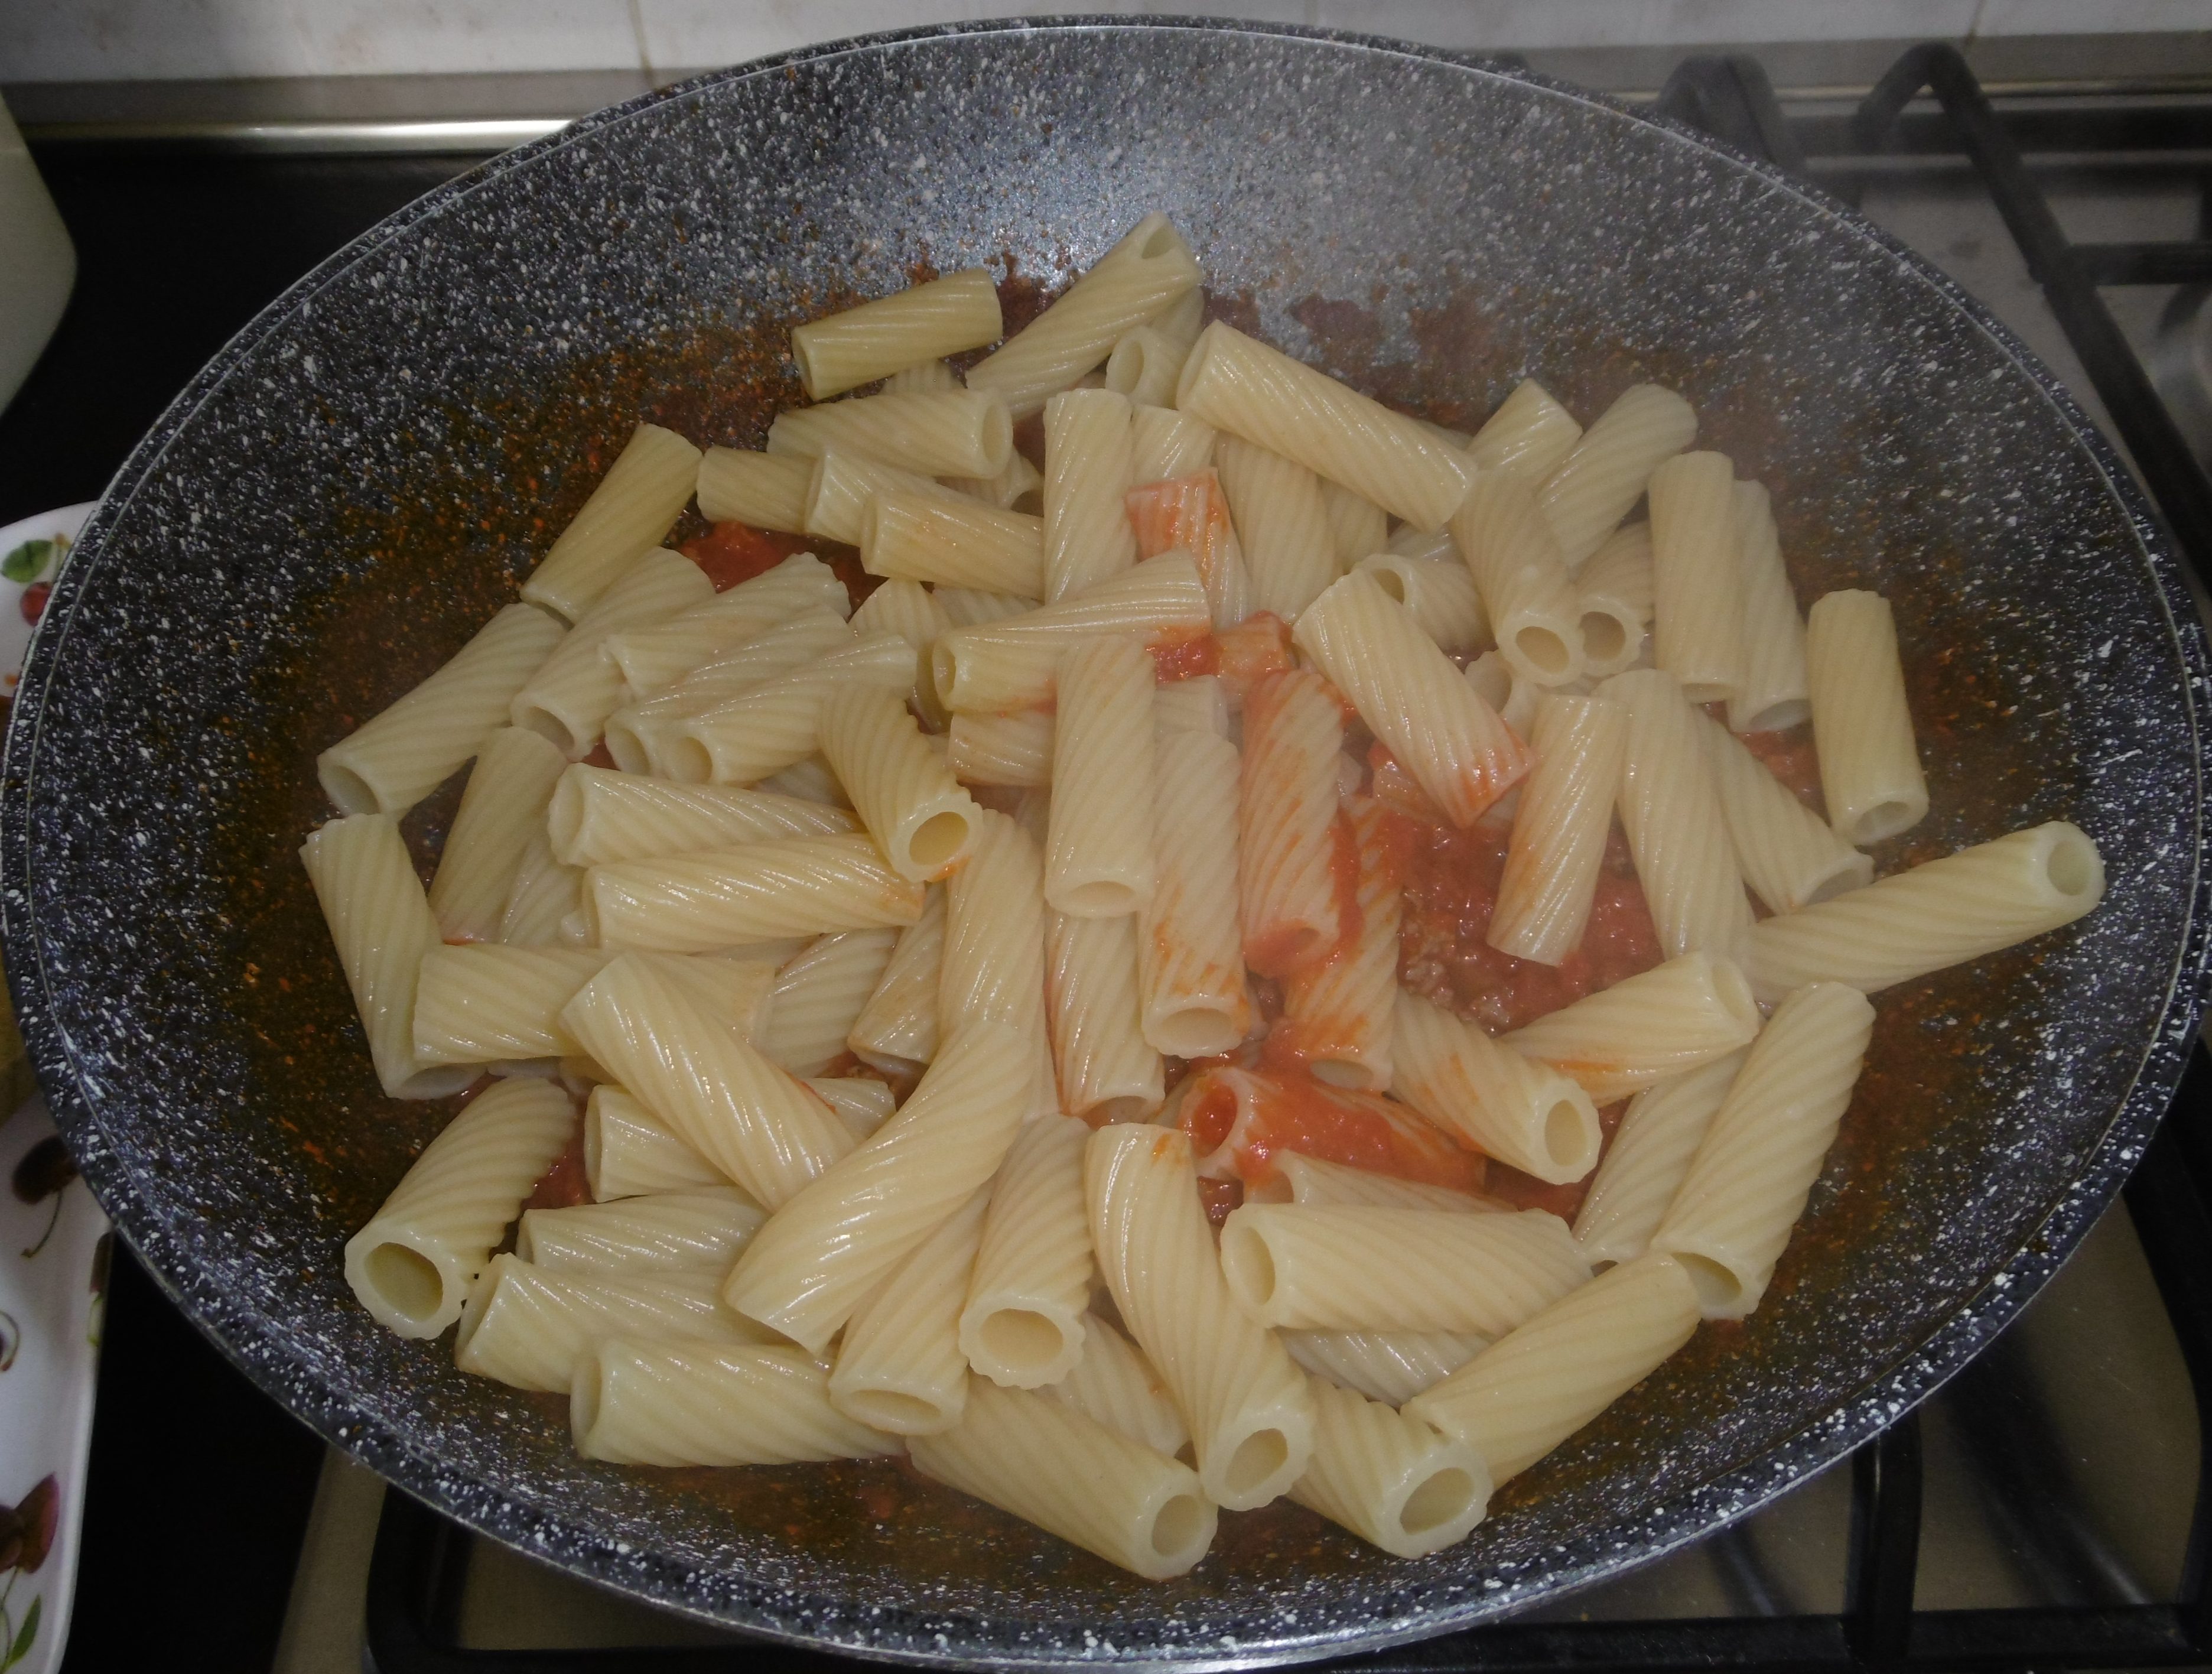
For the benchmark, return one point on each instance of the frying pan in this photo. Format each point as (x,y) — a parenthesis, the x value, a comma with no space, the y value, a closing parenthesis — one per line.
(357,480)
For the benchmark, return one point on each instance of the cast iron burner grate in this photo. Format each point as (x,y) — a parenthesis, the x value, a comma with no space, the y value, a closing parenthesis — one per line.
(421,1561)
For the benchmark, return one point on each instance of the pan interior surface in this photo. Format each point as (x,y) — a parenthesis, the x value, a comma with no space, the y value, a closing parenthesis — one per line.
(369,472)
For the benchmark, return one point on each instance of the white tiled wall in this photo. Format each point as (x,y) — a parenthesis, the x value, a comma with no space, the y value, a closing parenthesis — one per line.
(48,40)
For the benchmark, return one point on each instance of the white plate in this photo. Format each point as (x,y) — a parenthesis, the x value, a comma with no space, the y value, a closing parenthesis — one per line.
(58,529)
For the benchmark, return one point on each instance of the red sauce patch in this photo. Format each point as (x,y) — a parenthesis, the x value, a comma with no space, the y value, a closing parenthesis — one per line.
(564,1185)
(1186,659)
(1297,1113)
(1250,651)
(1790,757)
(734,552)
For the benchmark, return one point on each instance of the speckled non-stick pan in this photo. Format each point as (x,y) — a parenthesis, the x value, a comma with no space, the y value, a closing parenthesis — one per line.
(355,483)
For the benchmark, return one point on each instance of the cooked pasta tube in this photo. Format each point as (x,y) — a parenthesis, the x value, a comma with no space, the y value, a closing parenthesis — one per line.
(908,609)
(1086,535)
(758,891)
(954,543)
(1190,950)
(741,485)
(1314,1180)
(777,667)
(529,1327)
(993,963)
(818,1258)
(412,1264)
(629,1152)
(1516,701)
(1018,483)
(1515,1108)
(863,1105)
(629,512)
(1281,526)
(1390,1367)
(1943,913)
(654,658)
(1670,807)
(1011,749)
(811,781)
(1143,274)
(1239,385)
(676,1231)
(1528,592)
(922,375)
(1645,1028)
(599,815)
(1560,829)
(573,691)
(1754,1167)
(774,725)
(676,1403)
(1696,577)
(1098,863)
(715,1090)
(1049,1463)
(1190,513)
(897,1029)
(819,995)
(1645,1165)
(1773,694)
(1790,856)
(920,818)
(1535,1387)
(1869,764)
(1114,1383)
(1144,365)
(1012,664)
(1396,1482)
(900,1367)
(844,486)
(1615,589)
(394,760)
(1288,835)
(1337,1015)
(1530,433)
(1165,443)
(967,607)
(1413,698)
(1199,704)
(1439,592)
(1249,1408)
(1410,543)
(942,433)
(1343,1268)
(1240,1120)
(502,808)
(1023,1319)
(487,1003)
(382,926)
(924,322)
(1106,1070)
(1357,527)
(1590,491)
(540,900)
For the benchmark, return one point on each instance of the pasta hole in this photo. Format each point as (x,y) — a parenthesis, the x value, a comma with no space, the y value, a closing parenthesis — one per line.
(689,760)
(944,669)
(1443,1499)
(1566,1140)
(1718,1289)
(1885,819)
(551,727)
(1257,1458)
(1848,875)
(1778,717)
(347,789)
(1603,638)
(1157,242)
(1734,992)
(1107,1111)
(895,1410)
(937,839)
(997,437)
(2072,865)
(1390,581)
(586,1396)
(1177,1524)
(628,749)
(1196,1032)
(1248,1264)
(1021,1338)
(1125,366)
(408,1282)
(1543,650)
(1209,1118)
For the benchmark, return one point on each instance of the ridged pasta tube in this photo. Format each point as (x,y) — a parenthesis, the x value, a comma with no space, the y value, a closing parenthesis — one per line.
(1018,481)
(1670,807)
(1246,1116)
(1148,270)
(1011,665)
(953,542)
(597,815)
(718,1094)
(529,1327)
(1869,764)
(1354,1268)
(383,926)
(573,691)
(542,898)
(920,818)
(942,433)
(1593,487)
(924,322)
(412,1264)
(818,996)
(629,1152)
(757,892)
(967,607)
(742,485)
(1287,834)
(649,737)
(1788,855)
(1509,1106)
(1189,948)
(776,724)
(993,964)
(1281,526)
(922,375)
(1994,895)
(1413,698)
(678,1232)
(487,1003)
(1023,1319)
(844,486)
(629,512)
(1646,1028)
(818,1258)
(1747,1184)
(1316,1180)
(654,658)
(1166,443)
(1011,749)
(1073,1477)
(1696,577)
(1528,592)
(502,808)
(900,1367)
(1357,526)
(1773,693)
(1441,594)
(1560,829)
(896,1029)
(632,1403)
(1645,1165)
(1106,1069)
(1098,863)
(392,762)
(1144,365)
(1337,1014)
(1249,1408)
(1114,1383)
(1190,513)
(1197,704)
(1395,1481)
(1615,590)
(911,610)
(1390,1367)
(862,1104)
(1535,1387)
(1239,384)
(1086,535)
(1530,433)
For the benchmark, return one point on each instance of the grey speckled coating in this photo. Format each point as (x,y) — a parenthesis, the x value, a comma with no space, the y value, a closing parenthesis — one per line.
(358,479)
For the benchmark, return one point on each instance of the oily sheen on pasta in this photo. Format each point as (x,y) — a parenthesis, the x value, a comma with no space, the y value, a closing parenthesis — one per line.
(1095,931)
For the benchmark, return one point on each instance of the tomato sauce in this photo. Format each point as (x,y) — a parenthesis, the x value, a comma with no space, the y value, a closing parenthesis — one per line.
(1790,757)
(1294,1113)
(1186,659)
(1253,649)
(734,552)
(564,1185)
